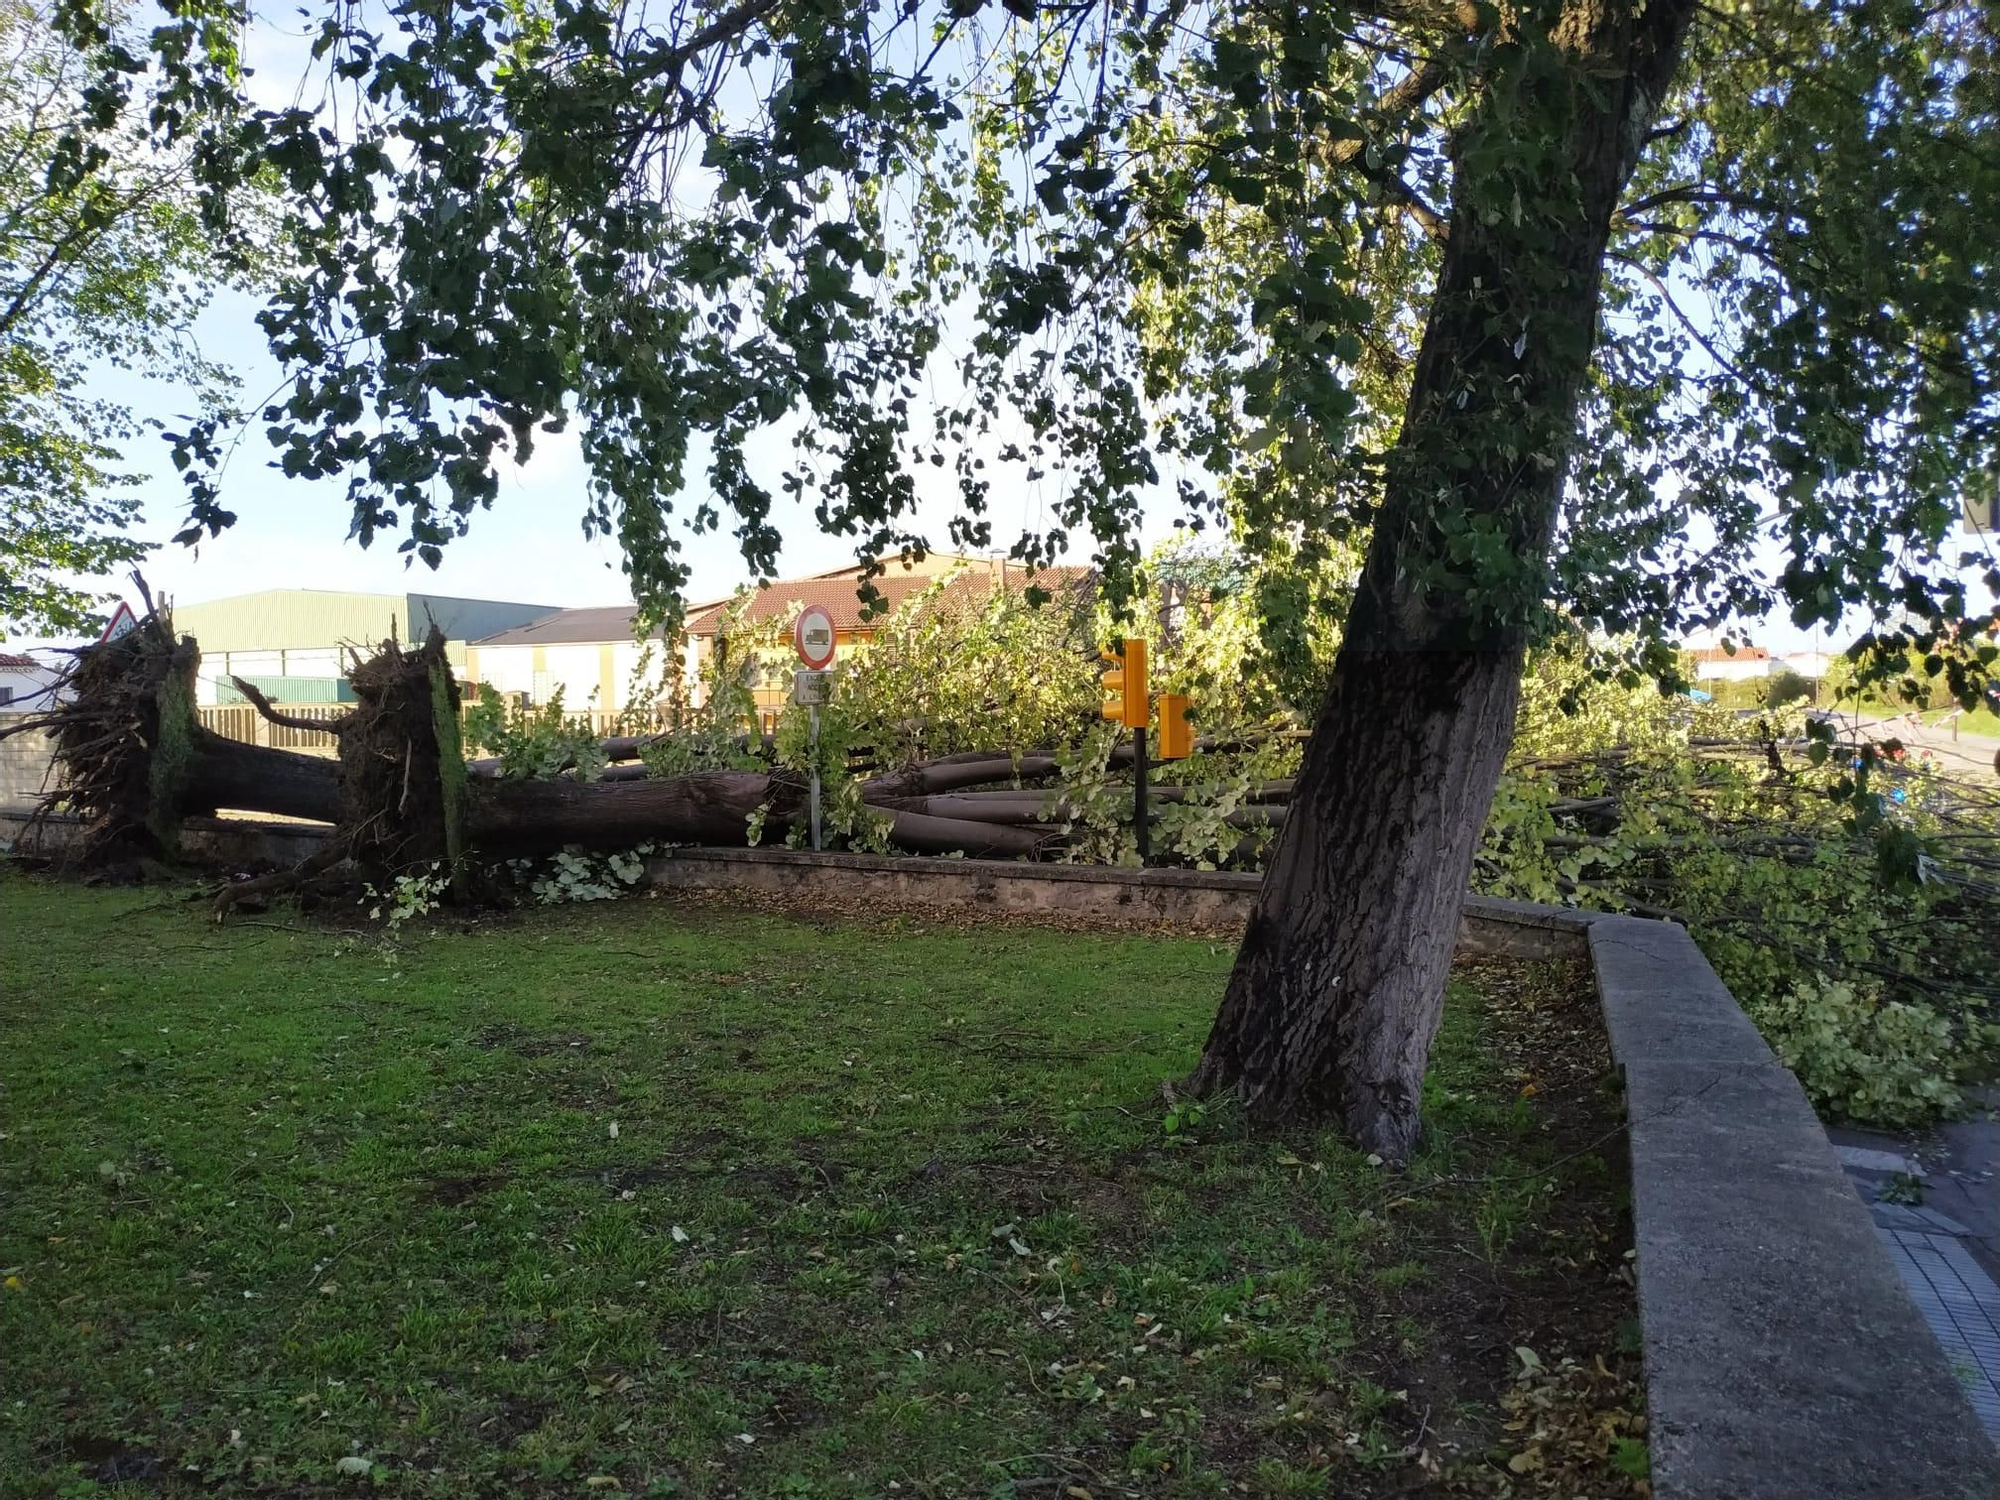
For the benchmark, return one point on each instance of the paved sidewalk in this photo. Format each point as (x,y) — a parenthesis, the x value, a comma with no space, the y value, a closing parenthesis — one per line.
(1936,1205)
(1966,754)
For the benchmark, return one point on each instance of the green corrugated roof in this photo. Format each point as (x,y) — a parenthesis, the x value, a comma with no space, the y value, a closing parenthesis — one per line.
(301,619)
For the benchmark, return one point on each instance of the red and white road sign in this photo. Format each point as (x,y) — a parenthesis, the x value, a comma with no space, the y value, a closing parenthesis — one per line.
(123,622)
(812,637)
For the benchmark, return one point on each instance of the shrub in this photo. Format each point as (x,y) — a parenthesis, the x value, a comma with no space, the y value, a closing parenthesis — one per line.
(1786,687)
(1863,1057)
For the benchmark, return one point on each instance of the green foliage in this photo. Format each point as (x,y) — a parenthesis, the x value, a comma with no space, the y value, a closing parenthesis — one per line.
(1848,906)
(412,894)
(1184,1115)
(574,874)
(1784,688)
(539,742)
(1248,636)
(681,738)
(1194,259)
(103,263)
(1862,1056)
(945,674)
(1943,670)
(1091,804)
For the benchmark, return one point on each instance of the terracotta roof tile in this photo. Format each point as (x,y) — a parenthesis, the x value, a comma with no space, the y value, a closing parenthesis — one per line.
(839,598)
(834,591)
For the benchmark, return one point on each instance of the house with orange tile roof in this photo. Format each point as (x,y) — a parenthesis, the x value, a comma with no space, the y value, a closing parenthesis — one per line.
(592,658)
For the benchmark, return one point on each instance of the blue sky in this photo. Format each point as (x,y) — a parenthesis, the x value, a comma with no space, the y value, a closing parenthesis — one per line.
(529,547)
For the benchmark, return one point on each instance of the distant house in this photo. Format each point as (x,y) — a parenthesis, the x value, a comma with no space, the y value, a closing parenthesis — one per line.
(589,655)
(1810,665)
(971,581)
(1717,664)
(26,685)
(289,643)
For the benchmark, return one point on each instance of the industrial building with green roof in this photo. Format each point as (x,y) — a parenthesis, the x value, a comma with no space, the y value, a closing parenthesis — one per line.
(292,644)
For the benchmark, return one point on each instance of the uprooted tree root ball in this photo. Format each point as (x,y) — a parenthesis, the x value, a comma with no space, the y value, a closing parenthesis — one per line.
(125,745)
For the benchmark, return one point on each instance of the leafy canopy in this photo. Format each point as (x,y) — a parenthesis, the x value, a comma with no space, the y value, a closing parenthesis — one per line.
(1119,253)
(103,265)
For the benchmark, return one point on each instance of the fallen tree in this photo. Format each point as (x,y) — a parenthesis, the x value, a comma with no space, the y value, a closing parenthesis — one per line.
(133,762)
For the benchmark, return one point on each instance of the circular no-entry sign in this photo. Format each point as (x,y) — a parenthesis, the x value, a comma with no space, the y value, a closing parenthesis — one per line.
(812,637)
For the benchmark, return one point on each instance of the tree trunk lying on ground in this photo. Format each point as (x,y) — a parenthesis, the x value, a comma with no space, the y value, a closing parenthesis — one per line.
(133,761)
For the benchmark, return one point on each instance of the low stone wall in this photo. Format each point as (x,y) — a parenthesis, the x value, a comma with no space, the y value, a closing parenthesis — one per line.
(24,765)
(234,842)
(1196,900)
(1783,1358)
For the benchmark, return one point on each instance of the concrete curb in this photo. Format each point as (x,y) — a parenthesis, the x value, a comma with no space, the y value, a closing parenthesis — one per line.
(1783,1356)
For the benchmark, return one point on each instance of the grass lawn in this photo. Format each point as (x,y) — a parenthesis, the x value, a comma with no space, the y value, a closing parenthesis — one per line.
(667,1198)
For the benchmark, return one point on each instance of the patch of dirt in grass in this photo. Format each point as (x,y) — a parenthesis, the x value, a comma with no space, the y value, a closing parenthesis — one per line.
(524,1044)
(450,1192)
(517,1417)
(912,918)
(1541,1330)
(1024,1191)
(108,1461)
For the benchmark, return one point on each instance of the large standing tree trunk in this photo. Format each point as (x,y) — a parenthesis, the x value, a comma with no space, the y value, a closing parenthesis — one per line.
(1339,984)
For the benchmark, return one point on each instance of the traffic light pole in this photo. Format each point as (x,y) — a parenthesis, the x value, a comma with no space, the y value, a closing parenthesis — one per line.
(1139,820)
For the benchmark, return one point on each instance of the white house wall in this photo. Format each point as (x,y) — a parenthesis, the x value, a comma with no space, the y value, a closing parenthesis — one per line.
(625,659)
(572,669)
(508,669)
(26,689)
(1733,671)
(321,662)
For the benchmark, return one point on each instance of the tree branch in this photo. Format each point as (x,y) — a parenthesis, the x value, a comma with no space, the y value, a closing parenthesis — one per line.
(731,24)
(292,721)
(1406,197)
(1723,362)
(1694,192)
(1415,87)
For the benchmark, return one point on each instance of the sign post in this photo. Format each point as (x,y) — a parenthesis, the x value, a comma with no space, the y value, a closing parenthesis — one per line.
(813,639)
(1128,701)
(122,623)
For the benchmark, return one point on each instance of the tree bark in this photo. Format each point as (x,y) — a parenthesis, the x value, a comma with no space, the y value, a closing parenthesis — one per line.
(1339,984)
(255,778)
(921,834)
(532,817)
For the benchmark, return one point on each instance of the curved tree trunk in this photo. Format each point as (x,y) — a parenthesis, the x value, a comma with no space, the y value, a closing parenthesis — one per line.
(921,834)
(1339,984)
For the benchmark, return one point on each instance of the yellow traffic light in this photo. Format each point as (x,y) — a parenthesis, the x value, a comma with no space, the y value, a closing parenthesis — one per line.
(1176,734)
(1125,690)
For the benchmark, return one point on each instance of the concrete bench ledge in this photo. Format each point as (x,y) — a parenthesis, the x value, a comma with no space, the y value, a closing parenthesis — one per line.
(1783,1357)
